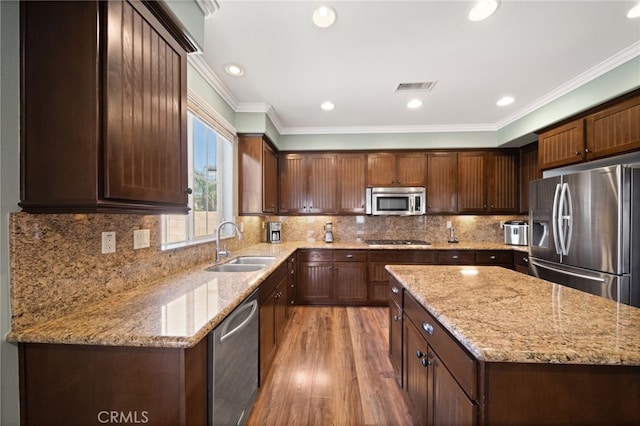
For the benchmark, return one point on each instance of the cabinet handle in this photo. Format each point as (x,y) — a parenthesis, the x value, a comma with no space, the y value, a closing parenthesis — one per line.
(577,152)
(189,191)
(292,272)
(586,150)
(493,258)
(456,257)
(425,362)
(292,303)
(396,318)
(525,259)
(395,290)
(349,256)
(420,354)
(427,327)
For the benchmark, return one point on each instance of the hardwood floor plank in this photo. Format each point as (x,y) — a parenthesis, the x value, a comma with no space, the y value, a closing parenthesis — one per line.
(332,368)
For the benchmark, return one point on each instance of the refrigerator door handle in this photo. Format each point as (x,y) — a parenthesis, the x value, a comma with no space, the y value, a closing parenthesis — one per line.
(563,271)
(569,219)
(564,219)
(554,219)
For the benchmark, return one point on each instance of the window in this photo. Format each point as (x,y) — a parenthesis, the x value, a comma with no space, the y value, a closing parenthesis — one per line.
(211,179)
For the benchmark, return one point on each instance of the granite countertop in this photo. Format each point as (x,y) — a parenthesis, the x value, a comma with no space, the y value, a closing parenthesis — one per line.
(177,312)
(504,316)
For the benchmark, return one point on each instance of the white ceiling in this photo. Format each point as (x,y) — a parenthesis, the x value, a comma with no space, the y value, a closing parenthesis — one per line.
(531,50)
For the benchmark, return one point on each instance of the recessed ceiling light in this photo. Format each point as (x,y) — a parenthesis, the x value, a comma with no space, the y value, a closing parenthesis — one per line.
(634,12)
(482,10)
(504,101)
(414,103)
(324,16)
(235,70)
(327,105)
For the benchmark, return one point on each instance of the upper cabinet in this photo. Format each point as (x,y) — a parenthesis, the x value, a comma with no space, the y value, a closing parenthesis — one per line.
(103,109)
(529,171)
(308,183)
(488,182)
(351,183)
(258,176)
(442,182)
(604,131)
(614,130)
(396,169)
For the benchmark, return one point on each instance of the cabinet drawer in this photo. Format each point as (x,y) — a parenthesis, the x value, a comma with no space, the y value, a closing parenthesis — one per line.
(461,365)
(521,262)
(456,257)
(398,257)
(494,257)
(315,255)
(349,255)
(395,292)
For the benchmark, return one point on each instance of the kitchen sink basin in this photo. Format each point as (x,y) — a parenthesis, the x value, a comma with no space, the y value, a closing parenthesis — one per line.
(252,260)
(235,267)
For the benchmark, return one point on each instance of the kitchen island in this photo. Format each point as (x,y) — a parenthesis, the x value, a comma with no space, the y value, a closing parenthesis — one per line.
(506,348)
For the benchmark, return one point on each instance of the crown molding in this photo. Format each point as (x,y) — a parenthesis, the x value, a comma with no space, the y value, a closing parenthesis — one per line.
(208,7)
(197,61)
(388,129)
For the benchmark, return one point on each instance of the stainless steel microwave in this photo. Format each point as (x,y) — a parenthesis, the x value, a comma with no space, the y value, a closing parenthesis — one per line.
(396,201)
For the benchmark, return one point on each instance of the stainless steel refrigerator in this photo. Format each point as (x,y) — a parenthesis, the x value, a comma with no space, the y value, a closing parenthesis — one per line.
(585,231)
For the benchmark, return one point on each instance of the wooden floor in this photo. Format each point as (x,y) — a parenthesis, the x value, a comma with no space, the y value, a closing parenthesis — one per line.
(333,368)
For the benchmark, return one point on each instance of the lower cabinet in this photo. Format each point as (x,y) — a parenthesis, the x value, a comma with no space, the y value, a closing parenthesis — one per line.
(395,330)
(332,277)
(84,385)
(378,277)
(521,262)
(273,316)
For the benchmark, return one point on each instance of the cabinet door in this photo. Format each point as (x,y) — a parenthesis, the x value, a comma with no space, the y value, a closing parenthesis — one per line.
(315,283)
(528,171)
(615,130)
(502,184)
(321,183)
(351,183)
(350,281)
(562,145)
(269,179)
(472,172)
(280,309)
(416,372)
(442,182)
(411,169)
(381,169)
(250,174)
(451,406)
(145,148)
(267,335)
(293,188)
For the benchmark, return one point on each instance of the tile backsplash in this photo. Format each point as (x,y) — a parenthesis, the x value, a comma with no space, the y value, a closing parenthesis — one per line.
(57,265)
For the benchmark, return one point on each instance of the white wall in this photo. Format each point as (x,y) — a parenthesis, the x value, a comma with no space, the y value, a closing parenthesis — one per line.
(9,196)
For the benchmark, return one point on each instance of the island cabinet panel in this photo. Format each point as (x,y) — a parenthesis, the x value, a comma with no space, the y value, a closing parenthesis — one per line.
(85,385)
(351,183)
(117,140)
(546,394)
(396,169)
(614,130)
(442,182)
(561,146)
(395,329)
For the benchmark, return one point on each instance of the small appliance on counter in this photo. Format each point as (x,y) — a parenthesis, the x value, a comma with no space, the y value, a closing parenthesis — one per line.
(516,232)
(274,232)
(328,232)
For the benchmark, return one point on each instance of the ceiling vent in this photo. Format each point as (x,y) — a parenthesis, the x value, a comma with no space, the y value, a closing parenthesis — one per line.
(416,87)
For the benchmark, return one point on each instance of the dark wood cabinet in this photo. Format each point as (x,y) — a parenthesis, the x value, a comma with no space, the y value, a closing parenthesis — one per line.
(442,182)
(395,329)
(561,146)
(416,372)
(351,173)
(529,171)
(257,176)
(378,276)
(273,315)
(456,257)
(116,141)
(521,262)
(396,169)
(502,258)
(74,384)
(308,183)
(332,277)
(292,283)
(614,130)
(488,182)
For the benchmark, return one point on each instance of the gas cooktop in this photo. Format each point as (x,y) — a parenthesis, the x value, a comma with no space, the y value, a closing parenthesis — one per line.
(397,243)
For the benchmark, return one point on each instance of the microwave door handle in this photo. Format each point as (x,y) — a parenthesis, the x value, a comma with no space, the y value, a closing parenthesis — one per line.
(411,204)
(554,219)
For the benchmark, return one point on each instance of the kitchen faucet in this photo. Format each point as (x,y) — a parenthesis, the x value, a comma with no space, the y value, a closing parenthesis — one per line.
(224,251)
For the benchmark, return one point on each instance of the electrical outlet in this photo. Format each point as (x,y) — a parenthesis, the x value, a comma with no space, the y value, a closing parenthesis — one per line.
(449,224)
(108,242)
(141,239)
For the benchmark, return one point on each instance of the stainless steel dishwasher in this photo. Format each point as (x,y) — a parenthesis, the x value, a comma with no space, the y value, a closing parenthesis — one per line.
(233,383)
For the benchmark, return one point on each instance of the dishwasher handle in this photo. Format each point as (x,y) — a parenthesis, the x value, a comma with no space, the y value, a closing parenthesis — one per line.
(225,334)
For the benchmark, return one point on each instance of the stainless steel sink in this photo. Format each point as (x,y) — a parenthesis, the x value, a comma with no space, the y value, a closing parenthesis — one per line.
(235,267)
(252,260)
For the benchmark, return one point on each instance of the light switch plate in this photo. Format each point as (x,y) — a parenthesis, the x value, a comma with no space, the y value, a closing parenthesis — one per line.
(141,239)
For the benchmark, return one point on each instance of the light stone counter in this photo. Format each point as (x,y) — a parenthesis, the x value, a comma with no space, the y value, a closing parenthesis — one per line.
(180,310)
(504,316)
